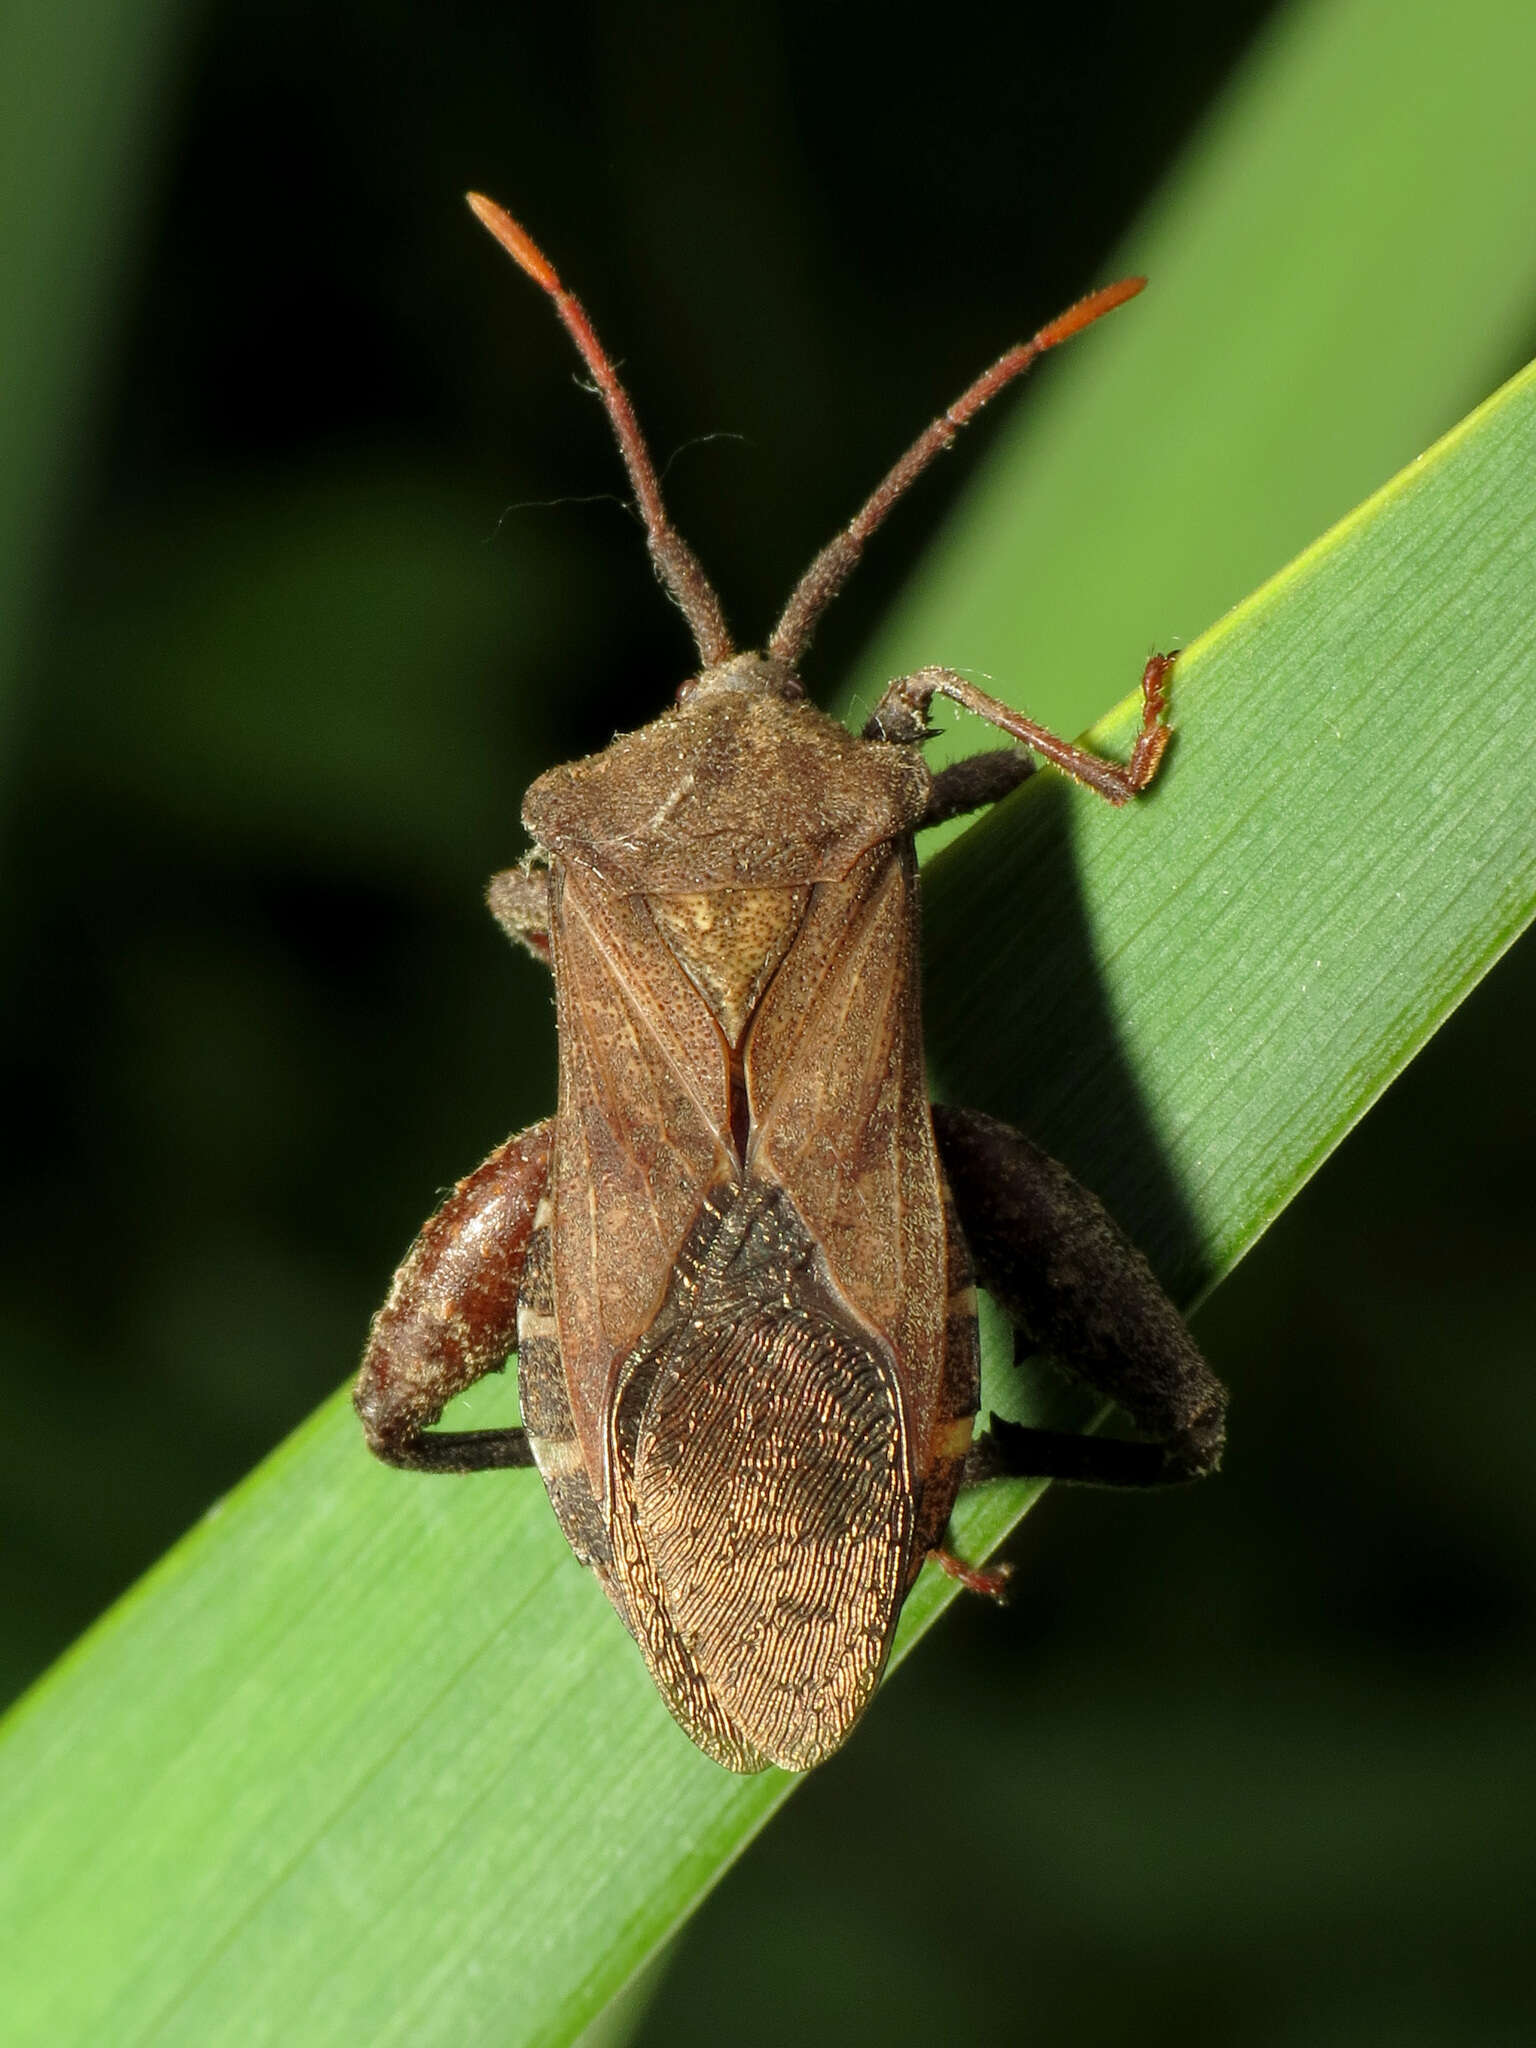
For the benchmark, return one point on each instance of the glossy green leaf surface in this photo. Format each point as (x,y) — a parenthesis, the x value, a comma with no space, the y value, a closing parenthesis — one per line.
(369,1758)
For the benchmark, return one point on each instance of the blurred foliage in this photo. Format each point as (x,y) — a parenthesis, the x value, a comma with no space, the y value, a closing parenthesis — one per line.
(1247,1765)
(79,89)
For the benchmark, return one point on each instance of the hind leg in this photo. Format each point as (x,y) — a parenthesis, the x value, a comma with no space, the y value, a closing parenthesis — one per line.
(1068,1278)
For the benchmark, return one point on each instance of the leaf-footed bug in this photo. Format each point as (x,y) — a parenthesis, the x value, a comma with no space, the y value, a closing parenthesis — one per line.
(738,1265)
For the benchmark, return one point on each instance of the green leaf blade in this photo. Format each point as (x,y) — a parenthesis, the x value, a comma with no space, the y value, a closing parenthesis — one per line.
(297,1802)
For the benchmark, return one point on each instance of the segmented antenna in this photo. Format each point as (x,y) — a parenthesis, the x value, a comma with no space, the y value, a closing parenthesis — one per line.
(676,563)
(838,559)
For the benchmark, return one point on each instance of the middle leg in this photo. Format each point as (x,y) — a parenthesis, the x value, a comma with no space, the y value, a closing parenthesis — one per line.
(979,779)
(451,1317)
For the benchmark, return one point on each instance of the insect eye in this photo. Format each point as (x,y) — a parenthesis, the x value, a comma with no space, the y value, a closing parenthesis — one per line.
(685,690)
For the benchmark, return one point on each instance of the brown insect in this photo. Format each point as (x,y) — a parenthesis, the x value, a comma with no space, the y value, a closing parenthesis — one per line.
(736,1265)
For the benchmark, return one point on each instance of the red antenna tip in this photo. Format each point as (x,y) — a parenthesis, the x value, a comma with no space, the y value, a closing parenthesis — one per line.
(1086,311)
(515,239)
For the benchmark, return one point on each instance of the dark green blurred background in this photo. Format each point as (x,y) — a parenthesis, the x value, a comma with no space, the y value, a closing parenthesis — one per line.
(320,559)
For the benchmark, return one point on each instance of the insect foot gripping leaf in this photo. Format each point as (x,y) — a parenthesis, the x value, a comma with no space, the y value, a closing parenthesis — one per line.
(737,1265)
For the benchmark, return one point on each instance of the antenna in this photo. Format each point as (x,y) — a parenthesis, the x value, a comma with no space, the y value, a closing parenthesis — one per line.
(676,563)
(839,558)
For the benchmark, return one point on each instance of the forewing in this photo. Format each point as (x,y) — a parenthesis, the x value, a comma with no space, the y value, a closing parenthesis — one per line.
(840,1116)
(642,1134)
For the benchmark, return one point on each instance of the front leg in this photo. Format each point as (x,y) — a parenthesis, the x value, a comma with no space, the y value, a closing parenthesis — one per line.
(902,715)
(451,1317)
(1064,1273)
(518,899)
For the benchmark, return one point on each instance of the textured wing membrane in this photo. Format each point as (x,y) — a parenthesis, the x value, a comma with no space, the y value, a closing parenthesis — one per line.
(840,1115)
(770,1490)
(765,1497)
(642,1134)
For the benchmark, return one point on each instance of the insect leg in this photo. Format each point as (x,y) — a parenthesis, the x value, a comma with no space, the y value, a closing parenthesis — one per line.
(902,714)
(967,785)
(451,1317)
(990,1581)
(1063,1272)
(518,899)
